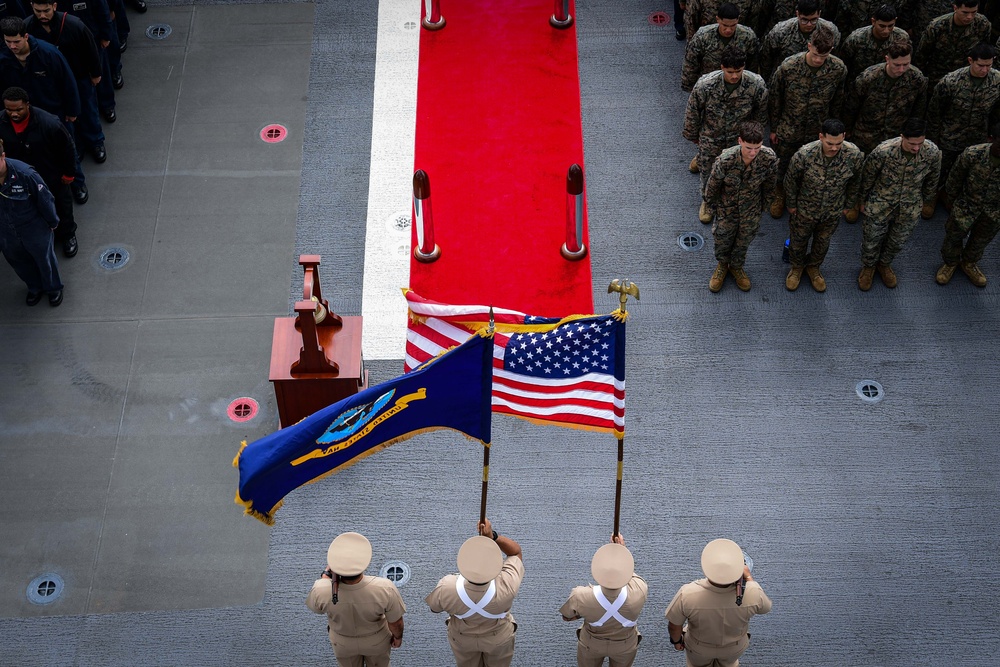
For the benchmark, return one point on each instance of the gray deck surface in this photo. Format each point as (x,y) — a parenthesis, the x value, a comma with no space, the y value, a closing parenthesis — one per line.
(873,527)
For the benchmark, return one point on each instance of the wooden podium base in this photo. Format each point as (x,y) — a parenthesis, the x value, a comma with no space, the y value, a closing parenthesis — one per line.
(302,394)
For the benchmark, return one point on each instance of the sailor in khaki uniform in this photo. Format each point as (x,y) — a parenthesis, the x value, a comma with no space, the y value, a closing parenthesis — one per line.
(717,609)
(365,613)
(609,610)
(480,626)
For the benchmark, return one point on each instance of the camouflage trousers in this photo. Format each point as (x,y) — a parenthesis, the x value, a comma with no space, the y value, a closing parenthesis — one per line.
(785,149)
(882,238)
(866,142)
(706,158)
(948,160)
(961,223)
(733,232)
(802,228)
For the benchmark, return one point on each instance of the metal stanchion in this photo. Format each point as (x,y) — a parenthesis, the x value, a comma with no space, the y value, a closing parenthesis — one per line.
(432,19)
(573,248)
(423,220)
(560,16)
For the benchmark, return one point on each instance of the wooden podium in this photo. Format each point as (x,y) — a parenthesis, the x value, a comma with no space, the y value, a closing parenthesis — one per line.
(316,355)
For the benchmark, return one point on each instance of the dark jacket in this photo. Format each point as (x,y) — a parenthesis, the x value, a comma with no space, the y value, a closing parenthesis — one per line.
(45,144)
(26,202)
(45,75)
(73,40)
(16,8)
(95,14)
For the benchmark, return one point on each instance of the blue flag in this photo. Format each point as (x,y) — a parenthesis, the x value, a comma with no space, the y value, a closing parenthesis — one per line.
(451,391)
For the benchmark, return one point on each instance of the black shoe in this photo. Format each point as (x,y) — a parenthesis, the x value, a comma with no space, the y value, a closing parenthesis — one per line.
(70,246)
(33,298)
(140,6)
(80,195)
(100,155)
(55,298)
(118,81)
(109,115)
(123,46)
(680,34)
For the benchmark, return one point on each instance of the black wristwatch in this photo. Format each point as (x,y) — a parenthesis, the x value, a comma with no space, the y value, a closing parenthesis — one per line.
(679,641)
(496,535)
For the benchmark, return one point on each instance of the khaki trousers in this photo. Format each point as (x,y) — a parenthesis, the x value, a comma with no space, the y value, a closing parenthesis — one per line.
(495,649)
(591,651)
(370,651)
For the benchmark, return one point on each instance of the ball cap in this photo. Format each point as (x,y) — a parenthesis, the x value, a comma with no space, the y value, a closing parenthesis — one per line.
(612,566)
(349,554)
(722,561)
(480,559)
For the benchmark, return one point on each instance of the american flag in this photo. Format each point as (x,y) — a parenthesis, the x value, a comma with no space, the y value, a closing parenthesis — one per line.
(568,372)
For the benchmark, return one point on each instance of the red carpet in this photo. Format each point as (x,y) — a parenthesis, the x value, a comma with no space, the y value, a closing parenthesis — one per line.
(498,126)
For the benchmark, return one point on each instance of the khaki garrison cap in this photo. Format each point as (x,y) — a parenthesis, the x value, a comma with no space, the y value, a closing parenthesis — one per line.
(722,561)
(612,566)
(480,559)
(349,554)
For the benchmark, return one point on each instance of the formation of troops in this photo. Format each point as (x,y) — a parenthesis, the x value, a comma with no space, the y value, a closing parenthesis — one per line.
(872,111)
(708,618)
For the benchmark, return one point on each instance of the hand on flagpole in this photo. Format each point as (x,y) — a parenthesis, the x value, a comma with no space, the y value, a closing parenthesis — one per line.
(618,539)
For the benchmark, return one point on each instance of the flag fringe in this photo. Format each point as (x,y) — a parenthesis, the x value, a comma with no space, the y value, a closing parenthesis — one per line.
(263,517)
(236,459)
(618,433)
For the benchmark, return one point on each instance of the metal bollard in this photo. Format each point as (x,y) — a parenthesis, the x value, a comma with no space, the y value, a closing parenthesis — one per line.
(423,221)
(573,249)
(432,19)
(560,16)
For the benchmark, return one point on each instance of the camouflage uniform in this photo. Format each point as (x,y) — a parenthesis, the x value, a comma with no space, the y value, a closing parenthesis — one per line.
(974,187)
(920,13)
(704,12)
(820,189)
(854,14)
(961,113)
(944,46)
(713,114)
(879,105)
(737,193)
(771,12)
(800,99)
(894,185)
(861,50)
(784,40)
(704,52)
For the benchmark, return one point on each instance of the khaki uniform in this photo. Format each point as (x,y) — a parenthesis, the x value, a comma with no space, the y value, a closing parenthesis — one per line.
(716,632)
(879,105)
(974,187)
(785,40)
(704,52)
(610,639)
(861,50)
(737,194)
(960,113)
(894,186)
(800,99)
(714,113)
(819,188)
(359,622)
(944,46)
(477,640)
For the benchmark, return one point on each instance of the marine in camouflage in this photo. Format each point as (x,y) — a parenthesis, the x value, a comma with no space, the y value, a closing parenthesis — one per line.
(879,105)
(861,50)
(974,188)
(699,13)
(784,40)
(961,110)
(704,52)
(944,46)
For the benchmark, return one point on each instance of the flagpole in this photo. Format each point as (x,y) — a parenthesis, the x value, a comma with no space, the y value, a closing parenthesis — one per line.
(624,289)
(486,452)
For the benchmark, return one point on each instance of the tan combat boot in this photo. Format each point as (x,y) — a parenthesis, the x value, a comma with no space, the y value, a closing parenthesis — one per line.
(816,278)
(778,203)
(866,277)
(852,214)
(793,278)
(705,213)
(888,277)
(927,211)
(742,280)
(977,277)
(693,167)
(944,274)
(718,277)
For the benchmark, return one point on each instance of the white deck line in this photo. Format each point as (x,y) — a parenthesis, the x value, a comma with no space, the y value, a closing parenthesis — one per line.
(390,185)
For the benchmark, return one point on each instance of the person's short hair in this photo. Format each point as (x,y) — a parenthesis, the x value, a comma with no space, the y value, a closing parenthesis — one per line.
(751,132)
(885,13)
(15,94)
(728,11)
(43,3)
(11,26)
(807,7)
(982,51)
(833,127)
(733,57)
(914,127)
(899,48)
(823,39)
(965,3)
